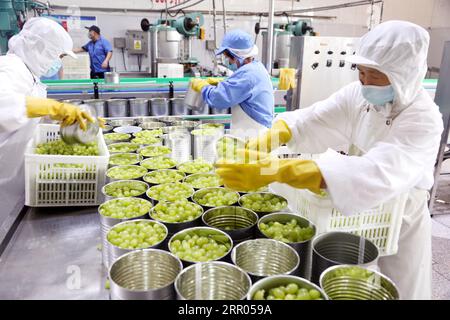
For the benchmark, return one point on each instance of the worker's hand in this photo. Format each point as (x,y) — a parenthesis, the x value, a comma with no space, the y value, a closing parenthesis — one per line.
(287,79)
(66,113)
(105,65)
(214,81)
(198,84)
(101,122)
(273,138)
(300,174)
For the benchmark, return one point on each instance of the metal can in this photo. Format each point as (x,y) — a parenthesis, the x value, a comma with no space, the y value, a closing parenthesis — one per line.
(118,108)
(99,105)
(139,107)
(159,107)
(180,143)
(178,107)
(110,197)
(335,248)
(144,275)
(212,281)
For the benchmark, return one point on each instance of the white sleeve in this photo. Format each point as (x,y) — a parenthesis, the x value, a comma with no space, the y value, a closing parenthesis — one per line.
(12,105)
(326,124)
(393,166)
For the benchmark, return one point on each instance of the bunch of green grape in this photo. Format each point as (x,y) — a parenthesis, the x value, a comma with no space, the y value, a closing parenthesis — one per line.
(203,180)
(146,140)
(125,208)
(205,132)
(170,192)
(124,147)
(197,248)
(148,133)
(157,163)
(116,136)
(286,232)
(216,197)
(176,212)
(196,166)
(164,176)
(121,159)
(155,151)
(292,291)
(263,202)
(136,234)
(123,189)
(126,172)
(59,147)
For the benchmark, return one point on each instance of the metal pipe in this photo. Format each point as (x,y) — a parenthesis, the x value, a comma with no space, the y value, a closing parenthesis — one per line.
(270,36)
(214,23)
(326,8)
(224,13)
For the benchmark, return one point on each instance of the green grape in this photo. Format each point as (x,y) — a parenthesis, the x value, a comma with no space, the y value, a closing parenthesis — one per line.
(116,136)
(126,172)
(203,180)
(176,212)
(123,147)
(292,291)
(196,248)
(288,232)
(59,147)
(205,132)
(216,197)
(164,176)
(160,162)
(356,273)
(124,159)
(146,140)
(136,234)
(211,126)
(148,133)
(263,202)
(170,192)
(196,166)
(155,151)
(123,189)
(125,208)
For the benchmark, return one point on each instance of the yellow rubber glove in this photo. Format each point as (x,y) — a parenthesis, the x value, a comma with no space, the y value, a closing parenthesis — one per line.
(198,84)
(67,113)
(287,79)
(300,174)
(214,81)
(278,135)
(101,122)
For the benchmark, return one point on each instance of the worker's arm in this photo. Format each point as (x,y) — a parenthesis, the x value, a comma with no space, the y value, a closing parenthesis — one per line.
(80,50)
(228,93)
(105,63)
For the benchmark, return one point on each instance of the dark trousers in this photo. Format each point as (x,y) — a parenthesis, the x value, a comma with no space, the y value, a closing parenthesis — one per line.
(97,75)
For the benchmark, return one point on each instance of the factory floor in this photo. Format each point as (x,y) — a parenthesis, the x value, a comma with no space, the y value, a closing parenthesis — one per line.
(441,238)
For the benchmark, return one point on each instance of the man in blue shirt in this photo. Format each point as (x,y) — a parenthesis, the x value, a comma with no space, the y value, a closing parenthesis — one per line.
(100,53)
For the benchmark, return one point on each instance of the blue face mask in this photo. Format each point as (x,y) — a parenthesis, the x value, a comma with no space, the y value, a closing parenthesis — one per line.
(57,64)
(378,96)
(232,67)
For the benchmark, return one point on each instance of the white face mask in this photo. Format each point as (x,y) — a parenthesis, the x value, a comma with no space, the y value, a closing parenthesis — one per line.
(57,64)
(378,95)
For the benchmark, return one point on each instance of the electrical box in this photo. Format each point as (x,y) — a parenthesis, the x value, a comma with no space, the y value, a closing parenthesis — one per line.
(170,70)
(120,43)
(137,42)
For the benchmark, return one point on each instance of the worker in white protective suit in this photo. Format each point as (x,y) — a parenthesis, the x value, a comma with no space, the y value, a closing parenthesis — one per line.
(33,53)
(393,129)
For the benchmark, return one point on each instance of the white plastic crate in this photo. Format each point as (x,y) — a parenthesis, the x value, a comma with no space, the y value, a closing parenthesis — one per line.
(381,225)
(57,180)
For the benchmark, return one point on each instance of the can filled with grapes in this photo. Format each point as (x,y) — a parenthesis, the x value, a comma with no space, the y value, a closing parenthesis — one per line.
(239,223)
(124,159)
(200,244)
(336,248)
(261,258)
(133,235)
(129,172)
(156,177)
(294,230)
(210,198)
(147,274)
(285,287)
(177,216)
(125,189)
(203,180)
(114,137)
(349,282)
(263,203)
(171,192)
(123,147)
(151,124)
(214,280)
(116,211)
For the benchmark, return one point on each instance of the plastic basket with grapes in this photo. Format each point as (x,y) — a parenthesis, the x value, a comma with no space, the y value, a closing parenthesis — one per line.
(57,174)
(200,244)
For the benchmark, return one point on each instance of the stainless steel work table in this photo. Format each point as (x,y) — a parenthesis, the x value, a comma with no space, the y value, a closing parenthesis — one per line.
(54,254)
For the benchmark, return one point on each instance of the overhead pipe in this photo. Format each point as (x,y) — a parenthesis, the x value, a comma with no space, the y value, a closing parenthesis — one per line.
(333,7)
(270,36)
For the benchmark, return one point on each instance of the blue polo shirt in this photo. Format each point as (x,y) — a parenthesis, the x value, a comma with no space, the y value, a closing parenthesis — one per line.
(97,53)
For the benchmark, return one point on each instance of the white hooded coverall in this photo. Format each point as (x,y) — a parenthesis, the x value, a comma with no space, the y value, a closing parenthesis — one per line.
(393,148)
(31,53)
